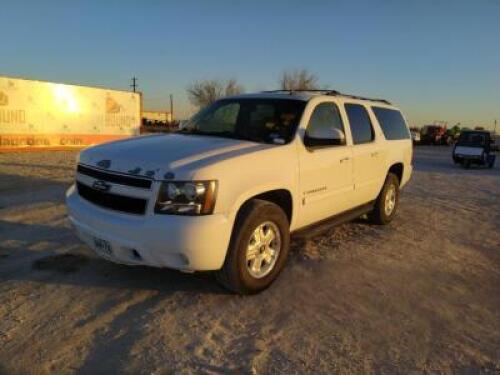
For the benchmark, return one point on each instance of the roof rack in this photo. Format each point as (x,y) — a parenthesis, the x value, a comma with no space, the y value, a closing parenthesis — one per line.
(365,98)
(329,92)
(326,92)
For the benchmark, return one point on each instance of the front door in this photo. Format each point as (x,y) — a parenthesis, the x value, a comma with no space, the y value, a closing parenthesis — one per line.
(326,183)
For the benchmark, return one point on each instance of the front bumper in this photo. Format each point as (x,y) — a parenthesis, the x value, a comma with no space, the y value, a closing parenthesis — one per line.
(189,243)
(458,158)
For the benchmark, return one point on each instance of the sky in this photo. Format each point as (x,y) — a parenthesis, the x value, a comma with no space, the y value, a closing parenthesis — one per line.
(437,60)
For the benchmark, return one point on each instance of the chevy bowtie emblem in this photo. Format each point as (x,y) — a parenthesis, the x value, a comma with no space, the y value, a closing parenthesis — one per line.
(101,185)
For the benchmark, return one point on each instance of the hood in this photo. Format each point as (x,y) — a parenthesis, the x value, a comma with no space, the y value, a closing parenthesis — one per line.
(156,155)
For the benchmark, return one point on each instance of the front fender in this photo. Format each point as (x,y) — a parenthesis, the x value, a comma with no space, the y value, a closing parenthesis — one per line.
(258,190)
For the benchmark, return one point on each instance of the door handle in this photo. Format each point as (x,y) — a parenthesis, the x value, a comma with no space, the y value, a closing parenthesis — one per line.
(373,154)
(344,159)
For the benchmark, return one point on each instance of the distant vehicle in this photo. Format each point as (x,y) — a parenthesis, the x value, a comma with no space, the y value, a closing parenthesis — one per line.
(435,135)
(454,133)
(225,192)
(415,135)
(475,147)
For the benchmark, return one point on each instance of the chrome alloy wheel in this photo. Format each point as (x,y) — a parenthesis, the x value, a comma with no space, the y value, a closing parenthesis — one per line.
(390,200)
(263,249)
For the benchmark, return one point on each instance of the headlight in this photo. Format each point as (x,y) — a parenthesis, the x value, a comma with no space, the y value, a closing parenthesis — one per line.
(186,198)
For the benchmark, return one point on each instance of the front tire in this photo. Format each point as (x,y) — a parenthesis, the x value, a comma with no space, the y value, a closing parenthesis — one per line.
(258,248)
(387,201)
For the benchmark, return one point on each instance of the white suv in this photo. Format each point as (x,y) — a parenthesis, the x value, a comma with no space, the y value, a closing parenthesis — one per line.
(226,191)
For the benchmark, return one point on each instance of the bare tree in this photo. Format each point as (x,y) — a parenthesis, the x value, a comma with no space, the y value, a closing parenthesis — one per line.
(233,87)
(298,80)
(204,93)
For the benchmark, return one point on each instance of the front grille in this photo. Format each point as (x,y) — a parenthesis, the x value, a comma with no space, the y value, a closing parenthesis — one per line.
(112,201)
(116,178)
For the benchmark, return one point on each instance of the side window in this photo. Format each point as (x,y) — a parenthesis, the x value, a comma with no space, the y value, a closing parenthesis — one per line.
(361,126)
(392,123)
(325,115)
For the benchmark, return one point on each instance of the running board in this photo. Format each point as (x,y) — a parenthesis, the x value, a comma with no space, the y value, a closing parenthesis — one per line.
(328,223)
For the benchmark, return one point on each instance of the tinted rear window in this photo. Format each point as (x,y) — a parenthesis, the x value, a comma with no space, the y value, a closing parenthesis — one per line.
(361,127)
(392,123)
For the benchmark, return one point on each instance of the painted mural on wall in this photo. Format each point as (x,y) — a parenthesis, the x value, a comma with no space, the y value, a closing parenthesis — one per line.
(35,113)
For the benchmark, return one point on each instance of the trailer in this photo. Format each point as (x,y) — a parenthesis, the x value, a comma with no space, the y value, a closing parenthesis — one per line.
(38,114)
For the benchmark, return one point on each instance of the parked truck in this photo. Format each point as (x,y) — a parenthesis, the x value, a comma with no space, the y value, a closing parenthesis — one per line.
(435,134)
(37,114)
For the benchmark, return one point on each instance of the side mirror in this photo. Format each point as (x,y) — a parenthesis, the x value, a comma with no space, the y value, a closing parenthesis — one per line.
(324,137)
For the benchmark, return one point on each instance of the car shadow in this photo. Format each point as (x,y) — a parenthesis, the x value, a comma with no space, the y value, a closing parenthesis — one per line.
(17,190)
(68,261)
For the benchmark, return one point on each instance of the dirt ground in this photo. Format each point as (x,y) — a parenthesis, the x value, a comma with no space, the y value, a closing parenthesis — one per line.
(419,295)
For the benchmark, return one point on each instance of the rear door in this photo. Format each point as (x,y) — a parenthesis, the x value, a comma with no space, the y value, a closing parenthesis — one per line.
(367,154)
(326,184)
(398,147)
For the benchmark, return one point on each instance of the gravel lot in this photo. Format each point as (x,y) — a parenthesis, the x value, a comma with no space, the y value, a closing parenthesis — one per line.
(420,295)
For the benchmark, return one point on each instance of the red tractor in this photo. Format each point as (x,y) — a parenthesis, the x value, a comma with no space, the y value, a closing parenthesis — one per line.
(436,134)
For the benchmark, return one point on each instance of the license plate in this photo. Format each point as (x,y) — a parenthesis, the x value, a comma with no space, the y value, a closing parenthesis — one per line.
(102,246)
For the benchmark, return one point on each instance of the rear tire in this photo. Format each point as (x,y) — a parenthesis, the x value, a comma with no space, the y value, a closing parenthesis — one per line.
(258,248)
(387,201)
(491,162)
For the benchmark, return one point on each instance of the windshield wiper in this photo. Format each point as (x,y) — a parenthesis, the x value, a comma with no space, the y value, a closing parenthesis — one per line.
(223,134)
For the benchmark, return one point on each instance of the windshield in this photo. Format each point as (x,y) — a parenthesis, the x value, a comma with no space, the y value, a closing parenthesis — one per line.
(257,120)
(473,139)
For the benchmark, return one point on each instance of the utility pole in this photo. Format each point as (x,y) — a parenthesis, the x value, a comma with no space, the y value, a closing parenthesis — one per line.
(171,108)
(495,128)
(134,84)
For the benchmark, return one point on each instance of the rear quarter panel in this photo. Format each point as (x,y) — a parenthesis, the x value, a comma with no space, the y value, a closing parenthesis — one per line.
(395,151)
